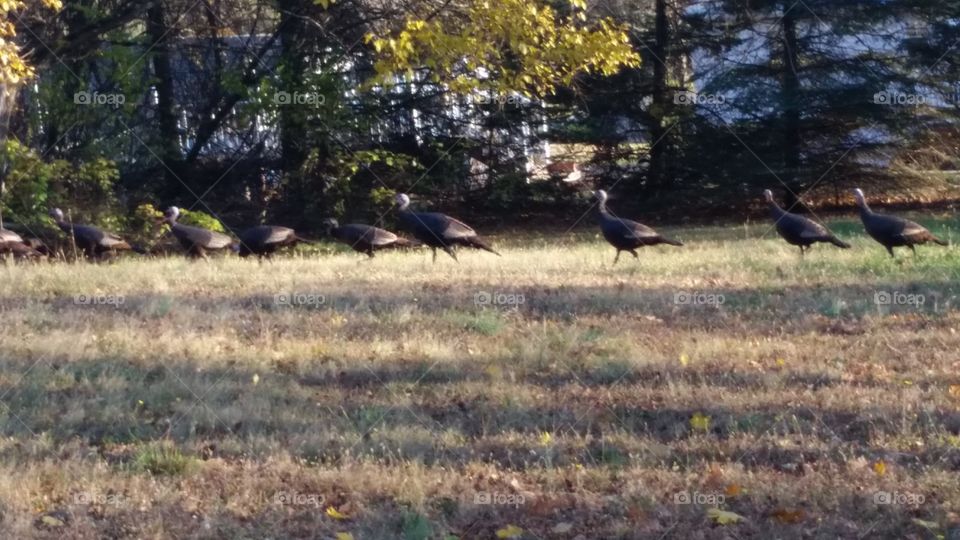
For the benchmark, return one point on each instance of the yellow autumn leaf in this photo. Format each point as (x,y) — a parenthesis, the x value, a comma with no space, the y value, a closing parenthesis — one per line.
(954,390)
(344,536)
(255,379)
(510,531)
(722,517)
(880,468)
(926,524)
(335,514)
(684,359)
(51,521)
(700,422)
(546,438)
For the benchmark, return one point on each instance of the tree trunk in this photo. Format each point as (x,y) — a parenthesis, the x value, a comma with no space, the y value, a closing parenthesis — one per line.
(293,68)
(790,103)
(169,152)
(659,175)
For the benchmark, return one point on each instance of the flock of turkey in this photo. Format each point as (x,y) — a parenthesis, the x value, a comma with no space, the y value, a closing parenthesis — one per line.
(440,231)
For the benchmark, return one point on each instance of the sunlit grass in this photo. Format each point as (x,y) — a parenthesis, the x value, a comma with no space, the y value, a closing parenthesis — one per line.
(400,389)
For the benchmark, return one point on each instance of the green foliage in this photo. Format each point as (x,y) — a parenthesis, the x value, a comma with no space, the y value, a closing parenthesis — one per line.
(146,215)
(201,219)
(34,186)
(416,527)
(505,46)
(162,459)
(382,197)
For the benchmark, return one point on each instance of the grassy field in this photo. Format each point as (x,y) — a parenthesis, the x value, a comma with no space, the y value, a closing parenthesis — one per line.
(727,389)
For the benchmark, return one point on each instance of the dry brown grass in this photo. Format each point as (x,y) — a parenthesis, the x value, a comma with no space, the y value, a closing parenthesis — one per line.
(189,409)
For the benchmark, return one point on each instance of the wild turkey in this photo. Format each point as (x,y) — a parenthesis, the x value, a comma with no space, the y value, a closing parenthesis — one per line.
(626,235)
(6,235)
(439,230)
(892,231)
(13,243)
(19,250)
(798,230)
(366,238)
(195,240)
(264,240)
(95,242)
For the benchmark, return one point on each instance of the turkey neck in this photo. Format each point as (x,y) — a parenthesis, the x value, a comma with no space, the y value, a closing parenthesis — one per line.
(776,210)
(407,217)
(64,226)
(604,213)
(865,209)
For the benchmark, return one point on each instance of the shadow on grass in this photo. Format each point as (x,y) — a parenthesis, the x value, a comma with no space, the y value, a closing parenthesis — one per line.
(434,418)
(688,307)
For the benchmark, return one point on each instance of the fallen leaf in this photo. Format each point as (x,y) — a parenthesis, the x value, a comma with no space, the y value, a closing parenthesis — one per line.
(954,390)
(51,521)
(788,516)
(926,524)
(545,438)
(335,514)
(684,360)
(510,531)
(732,490)
(344,536)
(723,517)
(880,468)
(700,422)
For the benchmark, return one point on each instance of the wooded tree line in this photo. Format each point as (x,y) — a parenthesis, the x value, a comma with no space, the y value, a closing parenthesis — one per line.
(296,110)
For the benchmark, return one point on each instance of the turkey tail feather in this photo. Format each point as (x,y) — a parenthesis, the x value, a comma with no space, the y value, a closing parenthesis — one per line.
(479,243)
(671,241)
(406,243)
(838,242)
(125,246)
